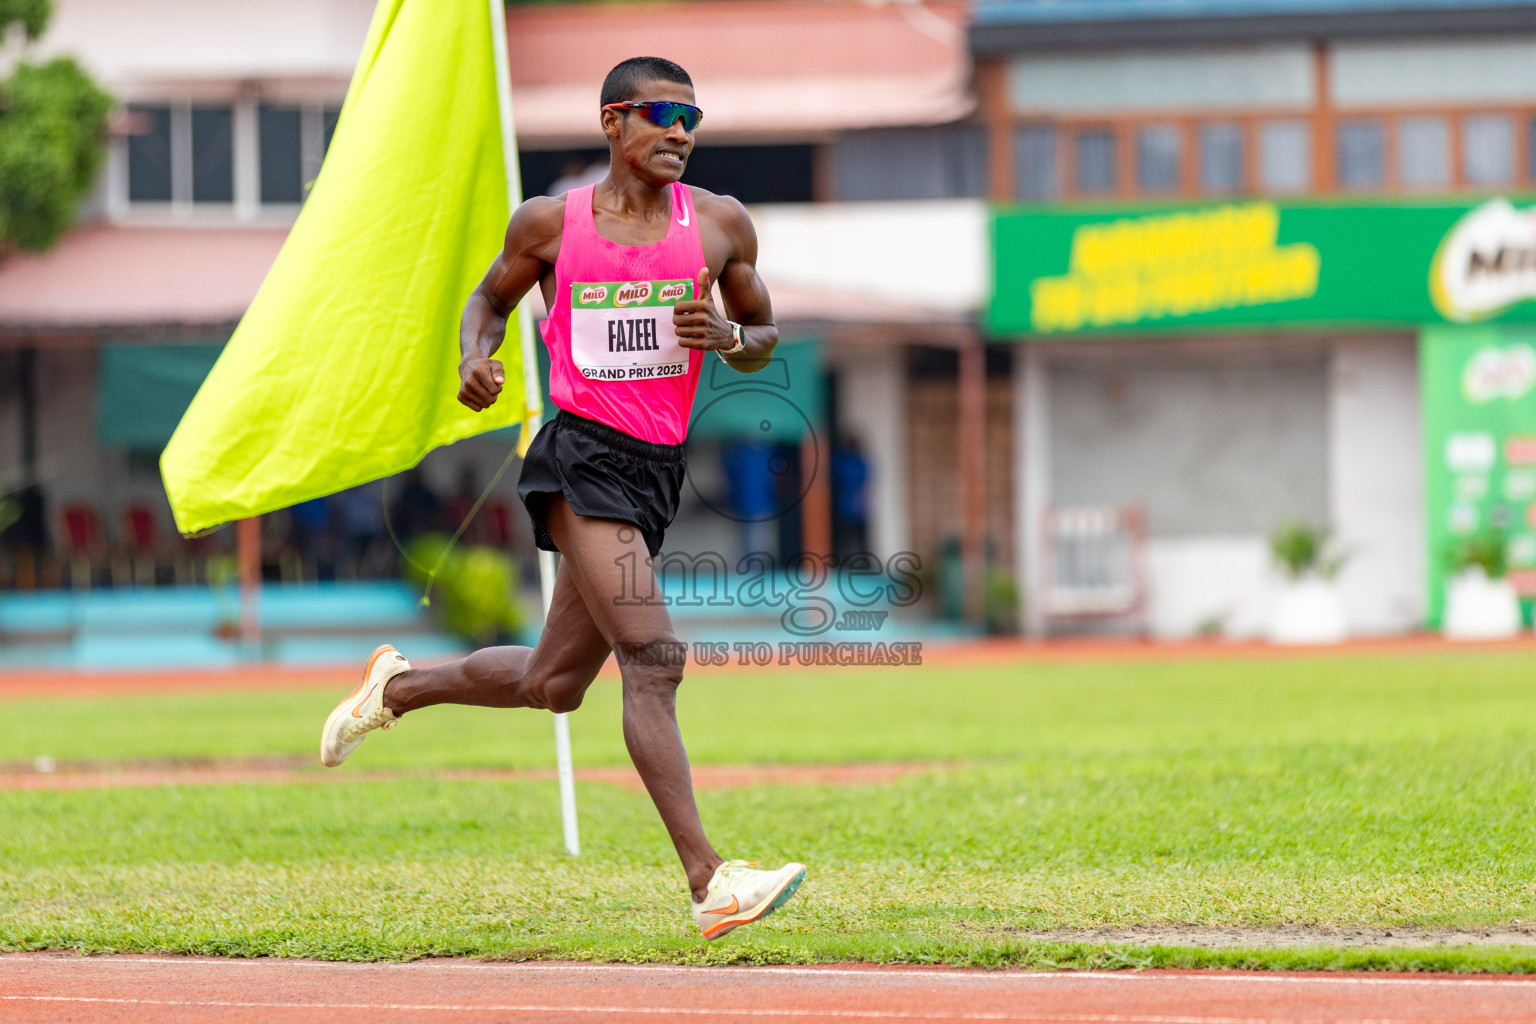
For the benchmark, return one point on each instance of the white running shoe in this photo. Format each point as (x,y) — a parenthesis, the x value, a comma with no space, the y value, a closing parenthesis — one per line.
(738,894)
(363,709)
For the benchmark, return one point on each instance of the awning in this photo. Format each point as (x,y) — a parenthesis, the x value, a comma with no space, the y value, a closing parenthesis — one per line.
(143,390)
(781,402)
(129,275)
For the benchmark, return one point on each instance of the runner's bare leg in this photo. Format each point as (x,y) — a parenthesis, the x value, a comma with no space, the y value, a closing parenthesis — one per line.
(586,621)
(599,553)
(554,675)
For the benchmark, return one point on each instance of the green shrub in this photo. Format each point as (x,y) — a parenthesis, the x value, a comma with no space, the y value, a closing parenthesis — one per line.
(472,589)
(1302,549)
(1484,549)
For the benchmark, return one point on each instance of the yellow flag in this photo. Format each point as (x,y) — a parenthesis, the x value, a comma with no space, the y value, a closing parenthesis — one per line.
(345,367)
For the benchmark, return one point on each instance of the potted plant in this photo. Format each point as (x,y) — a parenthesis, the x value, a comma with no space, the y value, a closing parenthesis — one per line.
(1308,608)
(1480,604)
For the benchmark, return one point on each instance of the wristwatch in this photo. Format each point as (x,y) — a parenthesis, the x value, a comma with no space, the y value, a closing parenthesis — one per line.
(740,341)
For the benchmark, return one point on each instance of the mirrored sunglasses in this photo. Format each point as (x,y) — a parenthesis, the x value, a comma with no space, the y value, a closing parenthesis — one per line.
(662,112)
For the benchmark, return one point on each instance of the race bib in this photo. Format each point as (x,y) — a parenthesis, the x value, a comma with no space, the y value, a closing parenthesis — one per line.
(622,330)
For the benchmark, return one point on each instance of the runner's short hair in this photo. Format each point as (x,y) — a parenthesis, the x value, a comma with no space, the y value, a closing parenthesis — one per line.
(625,78)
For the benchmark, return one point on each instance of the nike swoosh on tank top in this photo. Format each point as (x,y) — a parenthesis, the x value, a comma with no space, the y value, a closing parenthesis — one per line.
(613,352)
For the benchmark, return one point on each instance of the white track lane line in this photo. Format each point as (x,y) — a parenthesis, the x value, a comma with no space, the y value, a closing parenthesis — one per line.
(872,972)
(1073,1018)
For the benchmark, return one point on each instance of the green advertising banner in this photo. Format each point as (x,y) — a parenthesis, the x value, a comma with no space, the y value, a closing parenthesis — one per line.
(1478,387)
(1063,271)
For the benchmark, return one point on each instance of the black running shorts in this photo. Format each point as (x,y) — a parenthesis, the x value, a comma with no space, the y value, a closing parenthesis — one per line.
(604,474)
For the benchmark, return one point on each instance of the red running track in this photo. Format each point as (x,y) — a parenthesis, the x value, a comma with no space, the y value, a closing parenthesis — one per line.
(64,988)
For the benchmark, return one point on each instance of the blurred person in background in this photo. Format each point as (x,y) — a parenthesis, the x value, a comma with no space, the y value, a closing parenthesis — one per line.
(418,509)
(309,525)
(753,493)
(462,502)
(360,528)
(850,496)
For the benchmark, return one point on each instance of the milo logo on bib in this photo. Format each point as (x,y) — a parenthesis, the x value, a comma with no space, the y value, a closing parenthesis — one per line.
(633,293)
(622,330)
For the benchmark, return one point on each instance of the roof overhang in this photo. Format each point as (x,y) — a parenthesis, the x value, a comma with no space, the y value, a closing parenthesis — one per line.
(153,281)
(909,268)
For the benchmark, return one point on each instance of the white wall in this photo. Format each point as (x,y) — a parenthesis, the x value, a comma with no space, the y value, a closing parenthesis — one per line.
(1372,488)
(1198,581)
(1209,78)
(134,46)
(1451,71)
(933,255)
(1210,444)
(1376,482)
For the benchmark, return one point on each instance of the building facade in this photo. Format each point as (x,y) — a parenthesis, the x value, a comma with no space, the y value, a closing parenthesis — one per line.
(1224,416)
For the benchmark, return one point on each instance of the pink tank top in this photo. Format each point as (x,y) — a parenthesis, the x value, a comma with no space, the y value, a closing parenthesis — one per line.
(613,353)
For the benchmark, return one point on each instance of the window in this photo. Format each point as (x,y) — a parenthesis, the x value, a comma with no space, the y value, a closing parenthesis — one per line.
(1423,152)
(1285,156)
(1157,158)
(149,154)
(1221,158)
(186,154)
(213,155)
(1360,154)
(181,153)
(1488,149)
(292,142)
(1095,161)
(282,154)
(328,118)
(316,146)
(940,162)
(1034,162)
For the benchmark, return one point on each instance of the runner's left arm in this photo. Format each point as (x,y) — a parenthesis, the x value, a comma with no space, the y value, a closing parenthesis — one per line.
(699,323)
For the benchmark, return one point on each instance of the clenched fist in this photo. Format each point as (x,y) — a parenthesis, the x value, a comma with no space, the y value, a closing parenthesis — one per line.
(482,380)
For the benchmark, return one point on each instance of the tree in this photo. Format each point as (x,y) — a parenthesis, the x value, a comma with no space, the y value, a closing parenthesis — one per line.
(53,121)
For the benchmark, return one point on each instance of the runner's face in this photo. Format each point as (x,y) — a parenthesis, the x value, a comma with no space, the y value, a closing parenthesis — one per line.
(655,152)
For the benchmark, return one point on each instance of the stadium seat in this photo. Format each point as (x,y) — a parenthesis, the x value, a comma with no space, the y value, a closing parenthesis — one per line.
(83,543)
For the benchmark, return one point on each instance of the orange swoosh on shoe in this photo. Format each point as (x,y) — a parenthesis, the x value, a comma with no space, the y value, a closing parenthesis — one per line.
(357,709)
(735,906)
(368,671)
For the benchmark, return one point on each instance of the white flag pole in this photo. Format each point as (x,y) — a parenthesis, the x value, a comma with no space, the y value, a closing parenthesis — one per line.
(547,563)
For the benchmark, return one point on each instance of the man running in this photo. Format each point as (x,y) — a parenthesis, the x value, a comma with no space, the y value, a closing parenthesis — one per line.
(625,268)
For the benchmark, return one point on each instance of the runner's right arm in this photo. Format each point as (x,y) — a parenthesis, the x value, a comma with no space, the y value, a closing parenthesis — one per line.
(529,252)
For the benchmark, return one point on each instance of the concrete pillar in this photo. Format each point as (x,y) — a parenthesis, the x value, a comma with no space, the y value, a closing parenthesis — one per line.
(1032,481)
(248,537)
(1376,481)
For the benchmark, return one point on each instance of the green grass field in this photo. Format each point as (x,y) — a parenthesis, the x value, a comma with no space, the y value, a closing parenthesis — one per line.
(1353,791)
